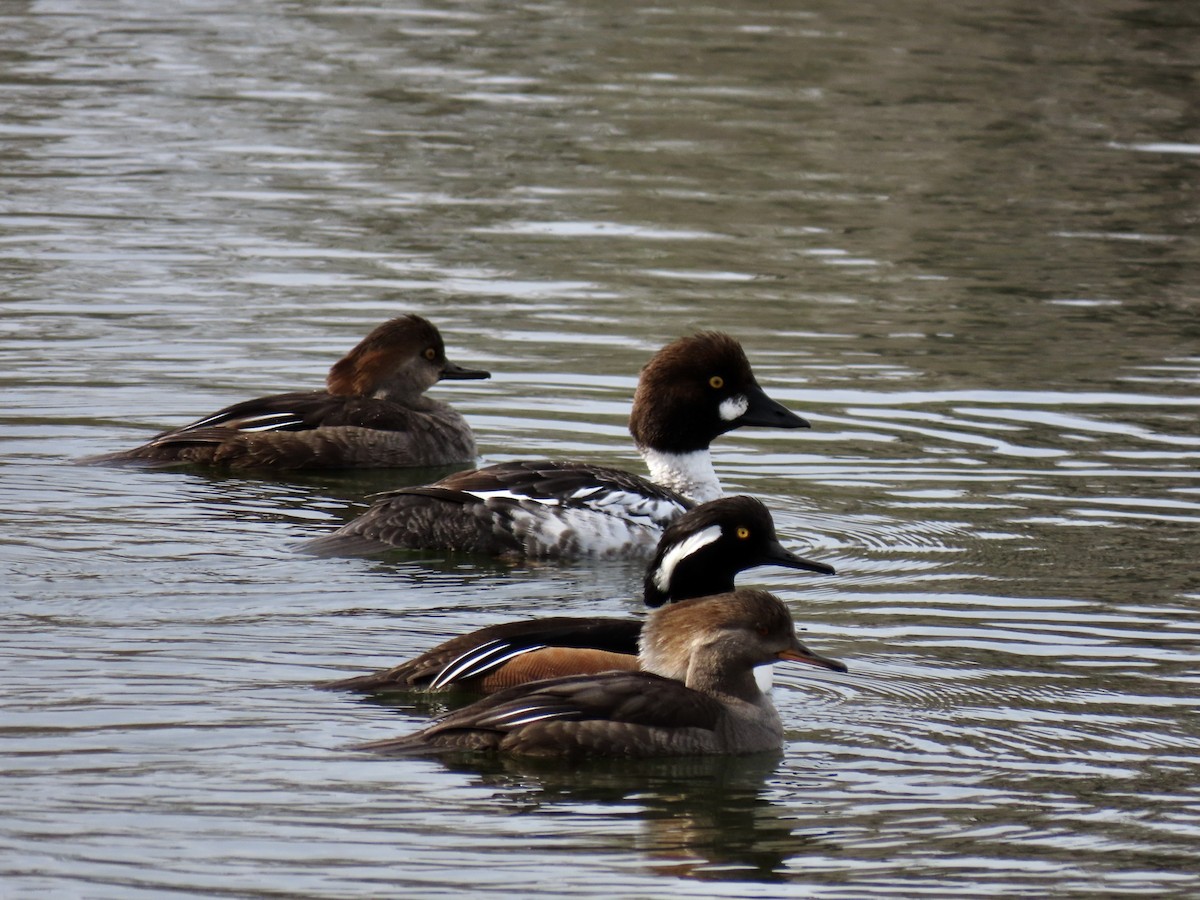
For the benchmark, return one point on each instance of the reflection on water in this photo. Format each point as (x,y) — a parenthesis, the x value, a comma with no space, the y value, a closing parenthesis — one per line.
(960,242)
(699,818)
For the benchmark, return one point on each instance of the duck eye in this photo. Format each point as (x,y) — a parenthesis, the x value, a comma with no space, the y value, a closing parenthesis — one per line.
(743,532)
(763,630)
(430,353)
(716,382)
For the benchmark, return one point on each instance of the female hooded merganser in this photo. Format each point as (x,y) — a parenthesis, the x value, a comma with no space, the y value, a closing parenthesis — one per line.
(372,414)
(695,695)
(700,554)
(690,392)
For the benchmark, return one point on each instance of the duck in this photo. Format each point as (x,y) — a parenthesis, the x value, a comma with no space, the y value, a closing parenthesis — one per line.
(691,391)
(700,553)
(695,694)
(372,414)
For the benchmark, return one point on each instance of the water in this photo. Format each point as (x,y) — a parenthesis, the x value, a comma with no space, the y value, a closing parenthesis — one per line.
(960,238)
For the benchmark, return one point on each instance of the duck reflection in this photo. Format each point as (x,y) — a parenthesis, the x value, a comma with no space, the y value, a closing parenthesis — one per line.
(706,818)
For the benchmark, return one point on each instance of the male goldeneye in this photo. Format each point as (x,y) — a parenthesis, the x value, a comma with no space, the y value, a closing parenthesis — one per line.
(372,414)
(695,693)
(699,554)
(690,392)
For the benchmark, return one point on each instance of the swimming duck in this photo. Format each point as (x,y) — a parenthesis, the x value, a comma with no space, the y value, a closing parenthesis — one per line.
(699,554)
(372,414)
(691,391)
(695,695)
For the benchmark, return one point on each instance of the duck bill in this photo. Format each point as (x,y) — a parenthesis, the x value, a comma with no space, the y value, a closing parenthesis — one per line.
(778,555)
(764,412)
(455,372)
(800,653)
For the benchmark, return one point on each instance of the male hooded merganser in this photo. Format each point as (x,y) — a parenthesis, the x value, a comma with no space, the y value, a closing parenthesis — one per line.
(695,695)
(700,554)
(372,414)
(690,392)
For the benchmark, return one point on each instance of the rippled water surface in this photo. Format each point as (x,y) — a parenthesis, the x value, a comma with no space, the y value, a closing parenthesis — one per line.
(960,238)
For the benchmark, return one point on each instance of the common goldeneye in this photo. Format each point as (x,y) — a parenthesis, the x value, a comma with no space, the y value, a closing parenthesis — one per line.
(699,554)
(372,414)
(690,392)
(695,695)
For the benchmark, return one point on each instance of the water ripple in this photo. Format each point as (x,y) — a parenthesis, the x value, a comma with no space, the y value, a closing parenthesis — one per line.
(986,314)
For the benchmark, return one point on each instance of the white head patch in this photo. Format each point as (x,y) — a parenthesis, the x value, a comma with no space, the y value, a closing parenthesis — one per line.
(680,552)
(733,407)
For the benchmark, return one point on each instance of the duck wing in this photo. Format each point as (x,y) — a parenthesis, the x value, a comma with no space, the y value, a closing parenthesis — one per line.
(296,411)
(577,485)
(614,714)
(532,508)
(510,653)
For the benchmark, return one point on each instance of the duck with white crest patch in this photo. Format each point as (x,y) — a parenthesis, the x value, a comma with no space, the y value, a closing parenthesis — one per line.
(692,391)
(694,695)
(700,553)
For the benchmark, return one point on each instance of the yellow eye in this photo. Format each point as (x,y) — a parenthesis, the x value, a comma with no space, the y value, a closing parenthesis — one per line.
(743,533)
(716,382)
(431,353)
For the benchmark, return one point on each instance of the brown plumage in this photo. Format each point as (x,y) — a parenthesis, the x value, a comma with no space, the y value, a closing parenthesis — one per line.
(554,662)
(696,402)
(372,414)
(510,653)
(700,553)
(696,694)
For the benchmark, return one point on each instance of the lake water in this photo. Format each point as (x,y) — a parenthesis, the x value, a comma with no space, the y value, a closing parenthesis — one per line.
(961,238)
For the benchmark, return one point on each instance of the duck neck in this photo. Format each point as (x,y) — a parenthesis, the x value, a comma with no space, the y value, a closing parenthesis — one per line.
(408,399)
(405,385)
(714,676)
(689,578)
(690,474)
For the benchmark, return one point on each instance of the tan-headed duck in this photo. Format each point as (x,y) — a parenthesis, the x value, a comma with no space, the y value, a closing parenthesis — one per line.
(700,553)
(696,693)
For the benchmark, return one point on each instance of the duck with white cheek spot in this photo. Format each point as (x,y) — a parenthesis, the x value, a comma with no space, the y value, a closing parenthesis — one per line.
(692,391)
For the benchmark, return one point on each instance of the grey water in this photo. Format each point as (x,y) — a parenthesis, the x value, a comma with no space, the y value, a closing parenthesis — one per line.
(960,238)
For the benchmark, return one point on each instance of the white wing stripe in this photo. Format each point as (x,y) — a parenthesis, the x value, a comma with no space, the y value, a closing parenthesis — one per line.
(479,661)
(261,423)
(513,723)
(525,715)
(264,422)
(504,494)
(463,661)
